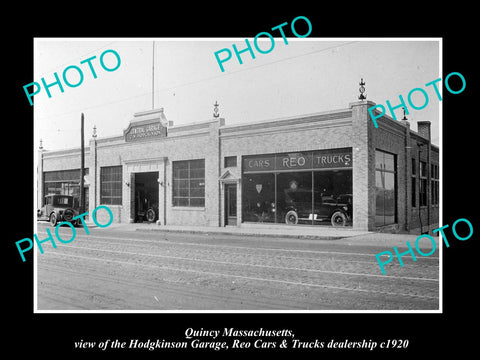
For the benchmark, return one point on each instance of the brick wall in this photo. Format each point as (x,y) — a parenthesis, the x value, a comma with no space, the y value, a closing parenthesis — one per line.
(212,140)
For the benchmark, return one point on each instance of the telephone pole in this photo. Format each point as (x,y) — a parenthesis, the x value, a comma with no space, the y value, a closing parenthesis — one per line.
(82,167)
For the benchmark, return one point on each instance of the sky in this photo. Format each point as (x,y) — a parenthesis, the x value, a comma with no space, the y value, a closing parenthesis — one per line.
(307,75)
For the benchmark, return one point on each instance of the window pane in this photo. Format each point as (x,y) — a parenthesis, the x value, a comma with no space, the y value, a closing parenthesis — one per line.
(331,188)
(389,181)
(258,195)
(180,174)
(197,173)
(180,202)
(379,160)
(196,164)
(423,169)
(189,183)
(414,192)
(379,207)
(380,179)
(230,161)
(111,185)
(295,198)
(423,192)
(389,162)
(182,192)
(197,192)
(385,196)
(197,201)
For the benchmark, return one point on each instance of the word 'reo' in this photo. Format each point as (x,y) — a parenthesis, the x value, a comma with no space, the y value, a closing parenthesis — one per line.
(261,50)
(73,75)
(417,247)
(418,105)
(65,241)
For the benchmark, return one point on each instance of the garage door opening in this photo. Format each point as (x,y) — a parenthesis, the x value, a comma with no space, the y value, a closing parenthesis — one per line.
(146,197)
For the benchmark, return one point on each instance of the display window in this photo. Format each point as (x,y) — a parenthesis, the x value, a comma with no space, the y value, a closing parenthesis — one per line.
(259,198)
(311,188)
(64,182)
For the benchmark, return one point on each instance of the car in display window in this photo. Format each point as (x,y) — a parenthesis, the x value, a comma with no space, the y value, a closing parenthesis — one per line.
(59,208)
(298,208)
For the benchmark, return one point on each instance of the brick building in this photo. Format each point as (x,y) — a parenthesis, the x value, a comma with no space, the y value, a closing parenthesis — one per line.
(329,168)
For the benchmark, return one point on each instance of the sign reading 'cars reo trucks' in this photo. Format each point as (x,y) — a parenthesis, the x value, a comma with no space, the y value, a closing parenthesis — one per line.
(305,160)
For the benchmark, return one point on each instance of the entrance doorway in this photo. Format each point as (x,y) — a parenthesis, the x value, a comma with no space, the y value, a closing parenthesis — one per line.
(230,204)
(145,188)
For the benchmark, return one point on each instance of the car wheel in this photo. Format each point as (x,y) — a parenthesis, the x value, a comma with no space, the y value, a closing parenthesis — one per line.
(53,219)
(150,215)
(339,219)
(291,217)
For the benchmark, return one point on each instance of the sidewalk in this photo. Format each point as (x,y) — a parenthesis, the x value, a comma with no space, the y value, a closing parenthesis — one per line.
(304,233)
(279,230)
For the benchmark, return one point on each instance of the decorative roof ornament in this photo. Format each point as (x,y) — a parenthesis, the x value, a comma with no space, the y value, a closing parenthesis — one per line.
(215,110)
(404,114)
(362,90)
(94,135)
(41,145)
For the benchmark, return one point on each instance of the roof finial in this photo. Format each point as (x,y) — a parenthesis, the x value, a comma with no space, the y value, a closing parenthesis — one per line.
(362,90)
(41,145)
(94,135)
(215,110)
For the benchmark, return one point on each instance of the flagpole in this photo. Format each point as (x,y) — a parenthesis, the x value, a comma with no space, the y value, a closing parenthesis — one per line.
(153,76)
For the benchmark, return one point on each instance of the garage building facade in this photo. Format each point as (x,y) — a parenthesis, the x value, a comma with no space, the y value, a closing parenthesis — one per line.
(328,168)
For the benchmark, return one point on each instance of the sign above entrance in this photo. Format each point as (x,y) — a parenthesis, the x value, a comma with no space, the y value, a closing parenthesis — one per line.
(305,160)
(145,131)
(146,125)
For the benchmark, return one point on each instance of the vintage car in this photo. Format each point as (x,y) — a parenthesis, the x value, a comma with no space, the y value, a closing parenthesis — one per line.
(298,207)
(145,208)
(58,208)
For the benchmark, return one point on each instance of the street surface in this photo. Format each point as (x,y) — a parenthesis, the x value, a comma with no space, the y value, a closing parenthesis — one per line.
(111,269)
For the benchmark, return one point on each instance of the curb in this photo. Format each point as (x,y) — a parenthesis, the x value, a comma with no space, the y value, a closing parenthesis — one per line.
(287,236)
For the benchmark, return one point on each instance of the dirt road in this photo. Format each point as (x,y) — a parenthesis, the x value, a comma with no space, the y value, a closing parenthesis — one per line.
(117,270)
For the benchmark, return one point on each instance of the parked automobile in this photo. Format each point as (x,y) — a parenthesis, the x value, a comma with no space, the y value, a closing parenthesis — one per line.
(58,208)
(145,208)
(298,207)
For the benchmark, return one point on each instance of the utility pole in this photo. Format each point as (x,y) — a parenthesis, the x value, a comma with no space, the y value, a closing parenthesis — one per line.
(82,171)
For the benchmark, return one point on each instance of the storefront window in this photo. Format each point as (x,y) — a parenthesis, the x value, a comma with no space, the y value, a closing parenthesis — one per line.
(312,187)
(189,183)
(63,182)
(294,197)
(259,198)
(385,188)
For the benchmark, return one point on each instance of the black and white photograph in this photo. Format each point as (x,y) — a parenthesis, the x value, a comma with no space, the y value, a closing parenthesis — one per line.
(267,187)
(296,182)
